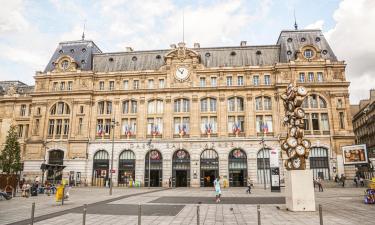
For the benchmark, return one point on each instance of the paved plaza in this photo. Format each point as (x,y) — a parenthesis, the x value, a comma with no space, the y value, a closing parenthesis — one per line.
(179,206)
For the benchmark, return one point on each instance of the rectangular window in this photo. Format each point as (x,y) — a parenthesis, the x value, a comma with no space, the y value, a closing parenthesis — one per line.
(268,124)
(315,121)
(80,125)
(231,124)
(66,126)
(111,85)
(81,109)
(99,127)
(240,81)
(229,81)
(36,127)
(62,86)
(259,124)
(58,126)
(109,107)
(70,85)
(125,107)
(267,80)
(302,77)
(204,105)
(212,105)
(213,81)
(60,108)
(100,108)
(129,126)
(154,126)
(231,105)
(311,76)
(202,82)
(307,121)
(107,127)
(320,76)
(342,120)
(313,101)
(133,107)
(136,84)
(258,104)
(23,110)
(255,80)
(38,111)
(55,86)
(101,85)
(126,84)
(267,103)
(20,131)
(150,84)
(339,103)
(324,121)
(51,127)
(161,83)
(209,125)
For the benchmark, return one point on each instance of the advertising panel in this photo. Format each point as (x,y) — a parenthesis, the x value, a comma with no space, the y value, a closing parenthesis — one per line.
(354,154)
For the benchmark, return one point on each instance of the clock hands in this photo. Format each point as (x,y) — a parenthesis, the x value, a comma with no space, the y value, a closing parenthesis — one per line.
(180,71)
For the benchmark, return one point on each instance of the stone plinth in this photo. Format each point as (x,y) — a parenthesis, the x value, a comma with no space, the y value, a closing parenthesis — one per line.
(299,190)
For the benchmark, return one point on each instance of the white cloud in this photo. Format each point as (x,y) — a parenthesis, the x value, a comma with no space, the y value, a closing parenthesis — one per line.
(352,39)
(316,25)
(11,18)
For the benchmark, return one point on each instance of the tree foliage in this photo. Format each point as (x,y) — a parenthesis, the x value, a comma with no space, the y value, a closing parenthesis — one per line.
(10,156)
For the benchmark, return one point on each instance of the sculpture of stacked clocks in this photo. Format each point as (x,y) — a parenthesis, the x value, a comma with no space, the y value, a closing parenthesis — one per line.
(296,147)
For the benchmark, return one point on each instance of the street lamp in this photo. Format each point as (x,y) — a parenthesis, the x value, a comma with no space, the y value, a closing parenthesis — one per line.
(113,125)
(149,162)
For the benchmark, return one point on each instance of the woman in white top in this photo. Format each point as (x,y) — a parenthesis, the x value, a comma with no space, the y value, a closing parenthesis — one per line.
(217,189)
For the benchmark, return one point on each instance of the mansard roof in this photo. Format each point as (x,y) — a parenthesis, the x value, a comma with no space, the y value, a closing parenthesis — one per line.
(288,44)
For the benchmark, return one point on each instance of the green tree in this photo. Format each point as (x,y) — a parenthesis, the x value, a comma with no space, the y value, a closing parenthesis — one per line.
(10,156)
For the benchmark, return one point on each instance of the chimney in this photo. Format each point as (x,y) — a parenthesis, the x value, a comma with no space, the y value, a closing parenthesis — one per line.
(173,45)
(243,43)
(129,49)
(197,45)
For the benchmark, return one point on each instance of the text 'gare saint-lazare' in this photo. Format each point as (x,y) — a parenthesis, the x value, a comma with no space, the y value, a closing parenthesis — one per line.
(189,114)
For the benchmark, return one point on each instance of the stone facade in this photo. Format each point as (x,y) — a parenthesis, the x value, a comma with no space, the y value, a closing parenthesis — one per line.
(218,96)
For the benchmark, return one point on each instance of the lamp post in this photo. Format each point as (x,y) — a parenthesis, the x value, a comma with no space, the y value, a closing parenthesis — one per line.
(113,124)
(263,159)
(149,162)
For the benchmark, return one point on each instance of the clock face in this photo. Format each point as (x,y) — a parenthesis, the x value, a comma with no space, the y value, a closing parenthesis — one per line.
(300,150)
(182,73)
(296,163)
(291,153)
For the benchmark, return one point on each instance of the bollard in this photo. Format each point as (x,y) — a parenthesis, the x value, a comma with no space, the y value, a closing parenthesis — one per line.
(320,214)
(84,214)
(139,214)
(198,216)
(258,211)
(32,213)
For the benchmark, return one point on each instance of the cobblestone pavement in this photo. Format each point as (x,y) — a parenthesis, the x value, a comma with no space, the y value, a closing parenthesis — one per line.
(341,206)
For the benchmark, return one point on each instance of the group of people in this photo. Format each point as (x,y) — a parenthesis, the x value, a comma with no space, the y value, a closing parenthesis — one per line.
(341,179)
(318,182)
(33,188)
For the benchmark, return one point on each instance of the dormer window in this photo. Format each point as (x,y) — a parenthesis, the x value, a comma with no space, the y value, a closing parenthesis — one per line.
(65,64)
(308,53)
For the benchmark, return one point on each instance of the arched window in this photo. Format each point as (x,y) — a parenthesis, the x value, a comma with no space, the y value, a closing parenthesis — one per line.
(154,160)
(263,166)
(100,168)
(235,104)
(155,107)
(316,118)
(104,107)
(237,166)
(181,168)
(181,105)
(319,162)
(56,157)
(263,103)
(60,108)
(209,162)
(126,168)
(208,105)
(129,106)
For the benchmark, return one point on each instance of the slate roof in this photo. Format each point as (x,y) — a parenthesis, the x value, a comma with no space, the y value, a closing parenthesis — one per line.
(299,38)
(284,50)
(21,88)
(80,51)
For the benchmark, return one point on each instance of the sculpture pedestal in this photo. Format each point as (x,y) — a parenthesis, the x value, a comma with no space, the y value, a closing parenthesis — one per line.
(299,190)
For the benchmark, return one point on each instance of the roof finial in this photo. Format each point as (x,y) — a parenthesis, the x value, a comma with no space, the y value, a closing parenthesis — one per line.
(295,21)
(84,27)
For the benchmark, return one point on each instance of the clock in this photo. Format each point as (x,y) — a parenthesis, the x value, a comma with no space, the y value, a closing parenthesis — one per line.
(300,150)
(182,73)
(291,152)
(296,163)
(292,142)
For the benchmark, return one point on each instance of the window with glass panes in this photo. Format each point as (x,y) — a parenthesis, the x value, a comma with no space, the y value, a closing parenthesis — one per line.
(129,106)
(128,126)
(235,104)
(208,105)
(202,82)
(240,81)
(267,79)
(213,81)
(126,84)
(310,76)
(181,125)
(236,124)
(255,80)
(111,85)
(101,85)
(302,77)
(154,126)
(70,85)
(135,84)
(263,123)
(150,84)
(161,83)
(320,77)
(23,110)
(341,120)
(104,107)
(229,81)
(209,124)
(181,105)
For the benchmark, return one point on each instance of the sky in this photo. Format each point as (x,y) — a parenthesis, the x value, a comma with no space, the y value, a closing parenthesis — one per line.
(30,30)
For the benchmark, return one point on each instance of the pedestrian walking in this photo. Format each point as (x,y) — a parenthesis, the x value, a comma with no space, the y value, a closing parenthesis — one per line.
(355,181)
(320,185)
(249,184)
(342,179)
(169,182)
(362,181)
(217,189)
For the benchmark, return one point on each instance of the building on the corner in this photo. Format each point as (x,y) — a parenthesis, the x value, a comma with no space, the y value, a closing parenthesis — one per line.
(202,108)
(364,124)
